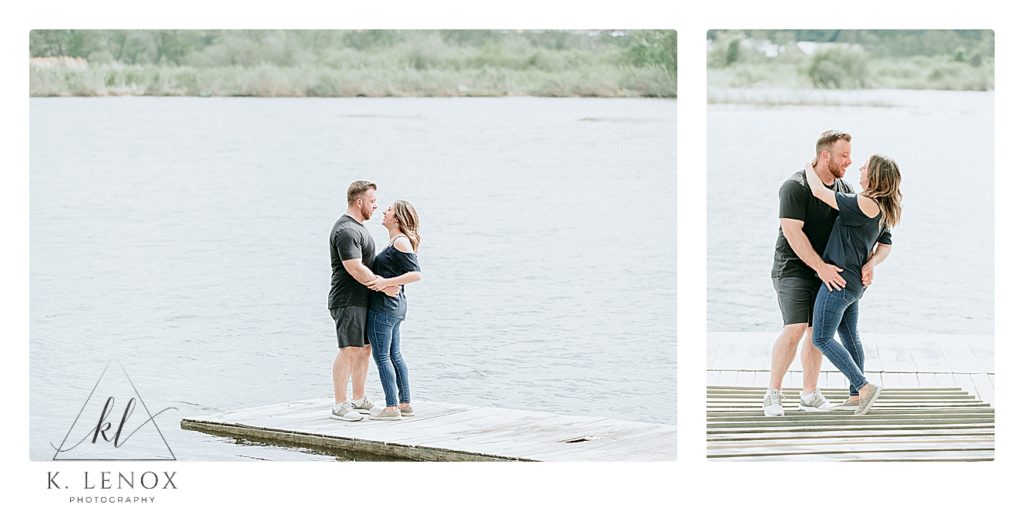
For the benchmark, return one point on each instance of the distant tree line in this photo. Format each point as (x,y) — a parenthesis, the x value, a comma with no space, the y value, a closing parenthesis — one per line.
(215,48)
(342,63)
(883,43)
(854,59)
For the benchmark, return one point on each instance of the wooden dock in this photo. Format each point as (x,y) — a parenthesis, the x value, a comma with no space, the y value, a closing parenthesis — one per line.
(906,424)
(448,432)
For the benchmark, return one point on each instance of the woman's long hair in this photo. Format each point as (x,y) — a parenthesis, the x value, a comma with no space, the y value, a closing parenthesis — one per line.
(408,222)
(884,187)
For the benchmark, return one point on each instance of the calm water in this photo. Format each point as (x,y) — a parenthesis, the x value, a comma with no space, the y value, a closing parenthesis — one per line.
(940,276)
(188,239)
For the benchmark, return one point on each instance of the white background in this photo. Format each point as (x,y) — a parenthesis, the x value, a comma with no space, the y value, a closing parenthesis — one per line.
(691,481)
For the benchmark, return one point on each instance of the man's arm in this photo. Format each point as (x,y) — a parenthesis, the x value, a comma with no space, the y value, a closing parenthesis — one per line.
(366,277)
(794,233)
(867,272)
(358,271)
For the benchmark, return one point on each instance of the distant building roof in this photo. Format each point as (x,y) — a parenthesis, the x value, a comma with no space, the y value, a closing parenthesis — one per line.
(810,47)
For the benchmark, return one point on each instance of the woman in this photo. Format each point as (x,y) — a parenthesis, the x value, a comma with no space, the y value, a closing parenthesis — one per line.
(864,221)
(396,265)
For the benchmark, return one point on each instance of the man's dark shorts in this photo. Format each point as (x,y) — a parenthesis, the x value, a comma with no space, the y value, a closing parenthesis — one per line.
(796,297)
(350,324)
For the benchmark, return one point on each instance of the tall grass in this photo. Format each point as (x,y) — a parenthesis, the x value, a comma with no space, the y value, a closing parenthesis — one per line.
(937,73)
(368,63)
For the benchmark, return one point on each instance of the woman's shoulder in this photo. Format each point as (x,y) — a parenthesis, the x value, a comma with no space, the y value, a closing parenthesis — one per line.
(868,206)
(402,244)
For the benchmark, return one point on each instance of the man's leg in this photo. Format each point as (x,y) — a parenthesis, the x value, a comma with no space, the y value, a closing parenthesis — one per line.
(784,351)
(810,359)
(341,371)
(360,366)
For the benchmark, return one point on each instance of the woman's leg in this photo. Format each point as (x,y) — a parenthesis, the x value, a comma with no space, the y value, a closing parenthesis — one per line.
(379,333)
(851,338)
(401,370)
(829,309)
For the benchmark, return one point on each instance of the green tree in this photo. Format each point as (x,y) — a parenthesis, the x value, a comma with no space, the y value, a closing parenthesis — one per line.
(839,68)
(726,49)
(655,48)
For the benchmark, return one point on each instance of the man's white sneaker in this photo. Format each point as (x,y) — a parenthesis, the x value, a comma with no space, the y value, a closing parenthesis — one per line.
(344,411)
(773,403)
(815,402)
(362,405)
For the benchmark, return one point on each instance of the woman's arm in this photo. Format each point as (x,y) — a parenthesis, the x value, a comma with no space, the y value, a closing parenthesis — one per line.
(401,280)
(818,188)
(403,245)
(867,272)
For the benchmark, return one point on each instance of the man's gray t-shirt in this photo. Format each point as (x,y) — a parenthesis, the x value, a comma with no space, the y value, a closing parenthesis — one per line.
(349,240)
(798,203)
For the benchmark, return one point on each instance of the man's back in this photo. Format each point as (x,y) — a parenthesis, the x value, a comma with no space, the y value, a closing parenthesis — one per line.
(349,240)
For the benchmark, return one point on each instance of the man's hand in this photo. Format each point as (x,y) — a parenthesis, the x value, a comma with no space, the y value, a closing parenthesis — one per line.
(377,284)
(829,274)
(867,273)
(392,291)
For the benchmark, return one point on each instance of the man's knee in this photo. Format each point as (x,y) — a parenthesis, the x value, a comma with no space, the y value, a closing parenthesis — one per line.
(351,353)
(791,334)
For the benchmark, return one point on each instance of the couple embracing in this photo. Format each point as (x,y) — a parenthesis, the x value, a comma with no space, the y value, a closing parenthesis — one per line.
(367,302)
(830,241)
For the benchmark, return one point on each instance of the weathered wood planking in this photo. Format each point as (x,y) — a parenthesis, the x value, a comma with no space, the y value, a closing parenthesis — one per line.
(906,424)
(449,432)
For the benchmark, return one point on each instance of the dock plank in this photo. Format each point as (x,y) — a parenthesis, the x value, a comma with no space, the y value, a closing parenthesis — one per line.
(909,423)
(449,432)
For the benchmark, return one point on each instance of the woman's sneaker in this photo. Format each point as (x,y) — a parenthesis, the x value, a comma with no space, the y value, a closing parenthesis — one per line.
(815,402)
(407,412)
(869,399)
(363,405)
(386,415)
(851,403)
(773,403)
(344,411)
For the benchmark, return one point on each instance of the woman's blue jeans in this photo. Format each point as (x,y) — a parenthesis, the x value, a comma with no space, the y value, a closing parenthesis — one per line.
(382,330)
(836,311)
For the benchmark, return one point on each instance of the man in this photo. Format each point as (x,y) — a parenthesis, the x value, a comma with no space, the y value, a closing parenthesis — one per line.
(352,253)
(798,270)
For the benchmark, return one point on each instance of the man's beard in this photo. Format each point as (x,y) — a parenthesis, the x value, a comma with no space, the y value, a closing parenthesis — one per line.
(836,171)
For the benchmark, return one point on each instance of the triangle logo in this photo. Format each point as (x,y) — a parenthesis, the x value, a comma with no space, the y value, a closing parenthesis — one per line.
(115,424)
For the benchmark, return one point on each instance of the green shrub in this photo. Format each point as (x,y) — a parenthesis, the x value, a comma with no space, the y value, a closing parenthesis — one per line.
(839,68)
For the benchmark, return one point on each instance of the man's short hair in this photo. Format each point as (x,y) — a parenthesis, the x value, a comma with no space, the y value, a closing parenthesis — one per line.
(828,138)
(357,189)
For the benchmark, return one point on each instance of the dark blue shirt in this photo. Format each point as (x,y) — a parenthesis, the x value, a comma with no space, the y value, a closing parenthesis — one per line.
(389,263)
(853,238)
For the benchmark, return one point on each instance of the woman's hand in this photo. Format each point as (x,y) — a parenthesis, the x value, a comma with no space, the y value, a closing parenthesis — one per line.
(818,188)
(812,177)
(867,273)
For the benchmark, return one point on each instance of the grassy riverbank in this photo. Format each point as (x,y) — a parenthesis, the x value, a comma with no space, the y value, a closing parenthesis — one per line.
(353,63)
(936,73)
(852,59)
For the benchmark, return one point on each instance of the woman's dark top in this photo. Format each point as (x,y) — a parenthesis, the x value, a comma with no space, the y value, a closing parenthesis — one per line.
(853,238)
(389,263)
